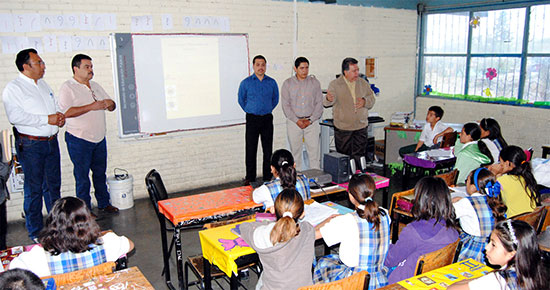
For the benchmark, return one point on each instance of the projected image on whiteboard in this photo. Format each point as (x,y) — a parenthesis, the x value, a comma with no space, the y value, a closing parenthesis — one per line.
(191,77)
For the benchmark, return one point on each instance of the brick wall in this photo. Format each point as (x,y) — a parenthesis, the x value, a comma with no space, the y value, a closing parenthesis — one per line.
(326,35)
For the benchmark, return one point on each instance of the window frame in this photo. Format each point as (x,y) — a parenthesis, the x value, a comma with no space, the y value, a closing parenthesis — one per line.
(524,54)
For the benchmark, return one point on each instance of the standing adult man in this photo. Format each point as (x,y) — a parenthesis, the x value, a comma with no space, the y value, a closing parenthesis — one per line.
(84,103)
(258,96)
(33,110)
(302,102)
(351,98)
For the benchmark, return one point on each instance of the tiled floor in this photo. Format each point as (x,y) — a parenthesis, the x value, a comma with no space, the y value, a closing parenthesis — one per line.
(141,225)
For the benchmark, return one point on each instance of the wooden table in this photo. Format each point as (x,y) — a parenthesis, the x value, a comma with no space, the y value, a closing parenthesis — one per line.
(131,278)
(200,209)
(443,277)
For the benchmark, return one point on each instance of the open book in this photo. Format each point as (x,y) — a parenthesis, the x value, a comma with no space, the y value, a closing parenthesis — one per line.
(316,213)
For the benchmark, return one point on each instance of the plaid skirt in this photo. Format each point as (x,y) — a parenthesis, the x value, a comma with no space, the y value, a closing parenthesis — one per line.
(330,268)
(472,247)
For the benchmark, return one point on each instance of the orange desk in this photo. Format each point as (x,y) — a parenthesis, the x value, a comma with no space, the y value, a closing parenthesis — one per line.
(130,278)
(200,209)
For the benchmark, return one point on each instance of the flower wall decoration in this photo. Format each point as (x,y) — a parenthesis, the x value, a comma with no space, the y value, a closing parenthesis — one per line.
(491,73)
(474,22)
(427,89)
(487,92)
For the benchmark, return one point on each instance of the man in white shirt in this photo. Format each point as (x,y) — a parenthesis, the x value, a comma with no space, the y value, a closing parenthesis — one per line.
(33,110)
(84,102)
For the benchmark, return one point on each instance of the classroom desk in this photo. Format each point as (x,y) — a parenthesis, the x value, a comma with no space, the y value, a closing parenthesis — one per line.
(199,209)
(443,277)
(426,161)
(228,251)
(130,278)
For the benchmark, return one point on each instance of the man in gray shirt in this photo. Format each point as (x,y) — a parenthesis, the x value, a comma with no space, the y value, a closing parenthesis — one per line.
(302,102)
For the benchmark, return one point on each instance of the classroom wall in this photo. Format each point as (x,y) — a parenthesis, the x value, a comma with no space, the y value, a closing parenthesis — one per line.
(522,126)
(326,35)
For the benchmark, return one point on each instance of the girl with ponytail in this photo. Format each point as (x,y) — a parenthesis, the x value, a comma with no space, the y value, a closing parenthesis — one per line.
(363,235)
(285,247)
(433,228)
(478,213)
(518,185)
(283,169)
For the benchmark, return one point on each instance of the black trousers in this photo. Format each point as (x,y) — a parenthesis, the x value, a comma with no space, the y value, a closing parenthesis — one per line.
(352,143)
(3,225)
(258,126)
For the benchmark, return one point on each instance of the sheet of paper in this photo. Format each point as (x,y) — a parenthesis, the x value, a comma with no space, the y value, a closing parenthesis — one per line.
(316,213)
(439,153)
(458,191)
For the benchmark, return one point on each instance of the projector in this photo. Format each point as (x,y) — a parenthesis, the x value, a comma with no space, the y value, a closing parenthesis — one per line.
(320,177)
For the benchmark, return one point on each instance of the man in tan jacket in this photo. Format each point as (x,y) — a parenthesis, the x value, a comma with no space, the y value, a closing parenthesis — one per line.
(351,97)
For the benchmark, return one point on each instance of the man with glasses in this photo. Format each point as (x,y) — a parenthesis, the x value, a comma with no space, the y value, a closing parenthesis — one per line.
(84,103)
(33,111)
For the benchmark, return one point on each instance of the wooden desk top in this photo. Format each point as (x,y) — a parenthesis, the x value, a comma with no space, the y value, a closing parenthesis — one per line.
(130,278)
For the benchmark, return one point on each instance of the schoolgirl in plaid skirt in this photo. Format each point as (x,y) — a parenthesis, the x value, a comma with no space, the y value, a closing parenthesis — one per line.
(478,213)
(364,238)
(283,169)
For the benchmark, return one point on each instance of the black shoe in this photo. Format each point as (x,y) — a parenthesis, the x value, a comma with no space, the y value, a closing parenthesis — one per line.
(246,182)
(109,209)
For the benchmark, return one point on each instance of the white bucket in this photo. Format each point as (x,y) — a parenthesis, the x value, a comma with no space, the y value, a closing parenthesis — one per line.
(122,191)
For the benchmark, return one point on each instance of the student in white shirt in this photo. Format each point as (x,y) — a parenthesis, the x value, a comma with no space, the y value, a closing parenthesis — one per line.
(431,135)
(513,246)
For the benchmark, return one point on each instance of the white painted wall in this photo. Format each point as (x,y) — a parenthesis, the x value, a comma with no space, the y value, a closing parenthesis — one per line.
(326,35)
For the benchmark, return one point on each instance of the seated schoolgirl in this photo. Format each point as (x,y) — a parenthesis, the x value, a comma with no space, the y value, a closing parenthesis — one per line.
(491,141)
(364,237)
(433,228)
(513,247)
(70,241)
(284,171)
(478,213)
(518,185)
(468,156)
(286,247)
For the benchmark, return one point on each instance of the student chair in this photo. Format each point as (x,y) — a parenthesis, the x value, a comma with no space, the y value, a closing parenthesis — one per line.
(157,192)
(449,177)
(400,208)
(84,274)
(536,218)
(439,258)
(449,139)
(356,281)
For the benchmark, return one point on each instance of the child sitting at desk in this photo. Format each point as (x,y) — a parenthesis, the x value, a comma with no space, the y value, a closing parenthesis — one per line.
(284,171)
(286,247)
(518,185)
(513,247)
(468,156)
(71,241)
(491,141)
(478,213)
(433,228)
(364,237)
(431,135)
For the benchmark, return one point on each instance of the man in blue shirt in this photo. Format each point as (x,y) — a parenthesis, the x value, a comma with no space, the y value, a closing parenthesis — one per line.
(258,96)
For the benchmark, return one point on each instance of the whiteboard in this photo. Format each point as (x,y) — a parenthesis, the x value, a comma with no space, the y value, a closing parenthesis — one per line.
(175,82)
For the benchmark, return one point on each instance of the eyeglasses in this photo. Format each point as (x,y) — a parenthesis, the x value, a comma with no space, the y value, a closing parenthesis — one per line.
(38,62)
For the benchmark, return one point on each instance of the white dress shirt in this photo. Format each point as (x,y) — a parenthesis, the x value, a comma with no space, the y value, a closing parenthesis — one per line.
(428,134)
(28,105)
